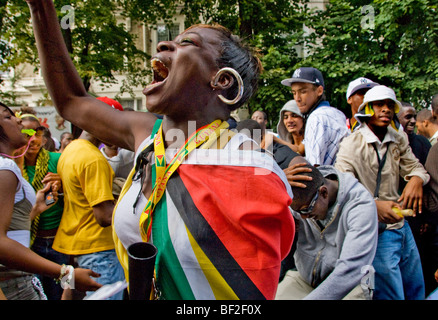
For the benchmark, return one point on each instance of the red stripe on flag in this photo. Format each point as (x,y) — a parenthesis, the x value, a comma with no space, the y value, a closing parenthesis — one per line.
(250,215)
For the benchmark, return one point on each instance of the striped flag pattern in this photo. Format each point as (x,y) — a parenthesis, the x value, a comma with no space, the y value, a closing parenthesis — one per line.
(213,247)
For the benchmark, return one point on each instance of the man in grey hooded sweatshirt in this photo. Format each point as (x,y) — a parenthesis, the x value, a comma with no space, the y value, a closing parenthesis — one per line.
(337,237)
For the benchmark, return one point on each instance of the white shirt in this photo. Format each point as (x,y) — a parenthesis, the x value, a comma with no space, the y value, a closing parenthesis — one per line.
(325,128)
(24,189)
(127,219)
(122,163)
(10,165)
(434,138)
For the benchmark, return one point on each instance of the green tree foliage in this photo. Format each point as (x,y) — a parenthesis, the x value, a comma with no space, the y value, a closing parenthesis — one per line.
(275,29)
(391,42)
(100,46)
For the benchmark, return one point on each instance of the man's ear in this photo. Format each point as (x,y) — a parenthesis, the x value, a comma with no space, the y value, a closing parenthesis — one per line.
(320,90)
(324,192)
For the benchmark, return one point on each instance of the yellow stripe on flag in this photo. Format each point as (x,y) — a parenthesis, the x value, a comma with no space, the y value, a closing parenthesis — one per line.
(220,288)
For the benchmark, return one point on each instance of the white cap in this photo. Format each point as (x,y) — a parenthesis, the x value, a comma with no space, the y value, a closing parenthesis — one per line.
(359,83)
(378,93)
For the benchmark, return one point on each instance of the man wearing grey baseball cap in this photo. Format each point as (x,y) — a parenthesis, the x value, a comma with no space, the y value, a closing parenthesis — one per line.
(325,125)
(355,93)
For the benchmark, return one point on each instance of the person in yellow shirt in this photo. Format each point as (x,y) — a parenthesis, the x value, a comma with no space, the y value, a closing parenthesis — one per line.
(85,229)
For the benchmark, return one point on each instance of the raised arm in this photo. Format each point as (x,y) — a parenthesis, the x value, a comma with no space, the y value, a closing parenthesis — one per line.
(124,129)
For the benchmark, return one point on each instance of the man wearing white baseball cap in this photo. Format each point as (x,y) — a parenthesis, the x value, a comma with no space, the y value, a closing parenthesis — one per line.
(324,125)
(377,155)
(355,94)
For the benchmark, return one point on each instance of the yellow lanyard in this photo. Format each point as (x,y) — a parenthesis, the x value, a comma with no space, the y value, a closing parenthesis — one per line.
(164,172)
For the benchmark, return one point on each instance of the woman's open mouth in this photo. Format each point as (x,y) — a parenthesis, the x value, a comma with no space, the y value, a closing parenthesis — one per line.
(160,73)
(160,70)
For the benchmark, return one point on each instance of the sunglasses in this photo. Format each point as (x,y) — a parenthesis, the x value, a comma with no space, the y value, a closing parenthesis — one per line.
(309,209)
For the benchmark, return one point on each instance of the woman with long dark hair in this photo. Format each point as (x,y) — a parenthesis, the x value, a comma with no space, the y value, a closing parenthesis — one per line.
(20,205)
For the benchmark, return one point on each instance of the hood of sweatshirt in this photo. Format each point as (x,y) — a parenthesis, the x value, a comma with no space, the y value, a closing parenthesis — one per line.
(281,128)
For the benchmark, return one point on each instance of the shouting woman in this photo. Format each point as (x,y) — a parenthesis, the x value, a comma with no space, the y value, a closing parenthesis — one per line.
(217,211)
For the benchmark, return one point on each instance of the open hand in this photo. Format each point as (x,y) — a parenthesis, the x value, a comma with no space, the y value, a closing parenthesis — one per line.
(293,175)
(412,196)
(84,281)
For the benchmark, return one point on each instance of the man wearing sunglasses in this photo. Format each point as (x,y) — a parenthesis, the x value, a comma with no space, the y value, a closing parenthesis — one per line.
(337,236)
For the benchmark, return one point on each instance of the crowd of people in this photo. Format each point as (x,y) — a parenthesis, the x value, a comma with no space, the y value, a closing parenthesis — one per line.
(325,208)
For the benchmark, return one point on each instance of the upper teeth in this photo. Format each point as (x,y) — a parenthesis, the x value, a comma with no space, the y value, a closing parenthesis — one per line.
(159,68)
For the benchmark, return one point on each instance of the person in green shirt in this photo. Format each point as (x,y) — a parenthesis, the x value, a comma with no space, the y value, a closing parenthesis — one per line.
(39,167)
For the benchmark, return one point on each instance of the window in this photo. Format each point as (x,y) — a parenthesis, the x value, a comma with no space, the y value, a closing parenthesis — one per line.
(167,33)
(134,104)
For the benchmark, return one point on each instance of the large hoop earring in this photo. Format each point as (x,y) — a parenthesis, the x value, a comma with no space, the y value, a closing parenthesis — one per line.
(241,87)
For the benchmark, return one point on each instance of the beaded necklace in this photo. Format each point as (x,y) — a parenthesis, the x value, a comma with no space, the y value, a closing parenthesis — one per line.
(41,169)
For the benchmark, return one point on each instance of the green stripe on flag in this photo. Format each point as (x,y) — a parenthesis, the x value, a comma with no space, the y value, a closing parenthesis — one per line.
(170,275)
